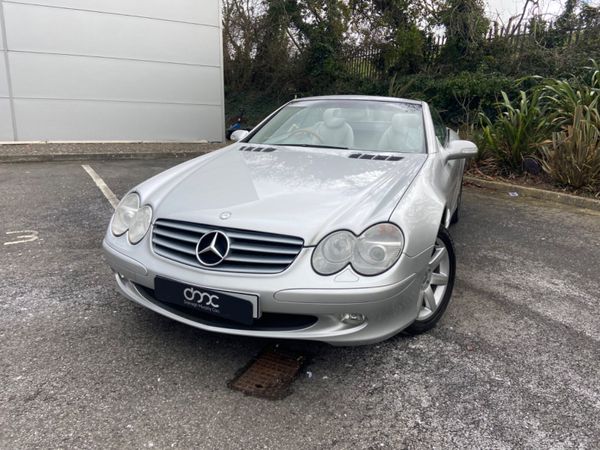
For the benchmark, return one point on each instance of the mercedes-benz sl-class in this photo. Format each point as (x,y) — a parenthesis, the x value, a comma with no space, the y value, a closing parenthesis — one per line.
(328,221)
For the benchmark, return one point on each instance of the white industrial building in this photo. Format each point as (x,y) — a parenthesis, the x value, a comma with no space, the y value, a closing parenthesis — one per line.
(111,70)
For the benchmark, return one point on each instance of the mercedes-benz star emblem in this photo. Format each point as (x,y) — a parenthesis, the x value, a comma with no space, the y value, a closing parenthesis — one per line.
(212,248)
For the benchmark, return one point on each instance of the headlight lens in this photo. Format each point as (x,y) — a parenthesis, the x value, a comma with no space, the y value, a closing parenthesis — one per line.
(140,224)
(377,249)
(334,252)
(373,252)
(130,218)
(124,213)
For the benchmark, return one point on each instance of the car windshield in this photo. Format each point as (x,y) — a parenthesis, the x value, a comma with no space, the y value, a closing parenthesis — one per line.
(348,124)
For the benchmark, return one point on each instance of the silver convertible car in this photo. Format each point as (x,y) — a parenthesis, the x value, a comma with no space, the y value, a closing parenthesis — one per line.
(328,221)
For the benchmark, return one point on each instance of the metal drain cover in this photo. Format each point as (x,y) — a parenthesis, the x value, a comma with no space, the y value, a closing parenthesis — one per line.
(270,374)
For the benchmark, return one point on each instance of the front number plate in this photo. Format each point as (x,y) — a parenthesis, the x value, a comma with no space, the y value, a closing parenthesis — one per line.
(227,305)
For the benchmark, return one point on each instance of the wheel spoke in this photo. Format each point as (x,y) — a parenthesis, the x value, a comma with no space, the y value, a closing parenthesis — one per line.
(437,257)
(439,279)
(420,301)
(429,299)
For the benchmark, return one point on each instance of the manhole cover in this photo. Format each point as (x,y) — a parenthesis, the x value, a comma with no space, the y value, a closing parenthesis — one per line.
(270,374)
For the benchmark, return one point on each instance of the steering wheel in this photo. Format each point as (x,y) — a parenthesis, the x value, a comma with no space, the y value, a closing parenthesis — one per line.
(306,131)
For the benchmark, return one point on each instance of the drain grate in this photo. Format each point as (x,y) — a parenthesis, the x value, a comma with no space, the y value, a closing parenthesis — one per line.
(270,375)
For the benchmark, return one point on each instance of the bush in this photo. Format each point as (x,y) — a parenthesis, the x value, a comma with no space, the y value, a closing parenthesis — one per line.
(254,105)
(573,156)
(561,98)
(518,131)
(458,97)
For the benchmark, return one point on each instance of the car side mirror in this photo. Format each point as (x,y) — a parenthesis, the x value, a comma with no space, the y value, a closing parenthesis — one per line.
(238,135)
(460,150)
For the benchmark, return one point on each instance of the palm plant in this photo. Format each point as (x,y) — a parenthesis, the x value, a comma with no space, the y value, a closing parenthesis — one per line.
(561,98)
(573,156)
(517,132)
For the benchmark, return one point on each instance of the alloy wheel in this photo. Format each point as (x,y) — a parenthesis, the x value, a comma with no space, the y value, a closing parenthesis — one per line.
(435,281)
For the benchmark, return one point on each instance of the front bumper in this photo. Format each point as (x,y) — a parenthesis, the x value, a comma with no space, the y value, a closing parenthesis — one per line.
(389,302)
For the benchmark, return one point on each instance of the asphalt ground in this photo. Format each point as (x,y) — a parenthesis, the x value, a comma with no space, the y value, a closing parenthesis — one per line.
(93,151)
(515,363)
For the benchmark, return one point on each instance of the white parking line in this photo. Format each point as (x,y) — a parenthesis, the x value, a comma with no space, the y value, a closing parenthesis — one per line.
(110,196)
(23,236)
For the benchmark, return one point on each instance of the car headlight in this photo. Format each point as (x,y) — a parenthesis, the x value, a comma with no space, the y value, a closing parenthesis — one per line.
(139,224)
(124,213)
(377,249)
(130,218)
(372,253)
(334,252)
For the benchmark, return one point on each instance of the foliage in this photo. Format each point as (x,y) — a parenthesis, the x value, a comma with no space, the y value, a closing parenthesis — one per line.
(555,121)
(256,106)
(572,158)
(301,46)
(397,28)
(319,28)
(518,132)
(405,55)
(459,97)
(563,98)
(466,25)
(520,91)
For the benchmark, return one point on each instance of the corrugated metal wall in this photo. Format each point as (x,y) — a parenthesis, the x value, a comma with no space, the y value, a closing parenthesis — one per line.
(96,70)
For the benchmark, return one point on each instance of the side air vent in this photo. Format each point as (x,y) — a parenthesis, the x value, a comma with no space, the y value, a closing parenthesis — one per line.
(374,157)
(250,148)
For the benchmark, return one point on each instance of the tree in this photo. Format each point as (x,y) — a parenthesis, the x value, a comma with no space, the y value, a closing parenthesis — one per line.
(273,64)
(465,23)
(398,28)
(240,31)
(320,27)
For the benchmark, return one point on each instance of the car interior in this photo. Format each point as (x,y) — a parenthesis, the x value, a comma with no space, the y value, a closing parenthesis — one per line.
(356,126)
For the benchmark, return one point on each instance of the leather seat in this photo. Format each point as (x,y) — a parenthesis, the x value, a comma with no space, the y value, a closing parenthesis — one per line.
(334,130)
(405,134)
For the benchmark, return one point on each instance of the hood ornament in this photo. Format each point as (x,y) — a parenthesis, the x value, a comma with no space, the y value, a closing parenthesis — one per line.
(212,248)
(225,215)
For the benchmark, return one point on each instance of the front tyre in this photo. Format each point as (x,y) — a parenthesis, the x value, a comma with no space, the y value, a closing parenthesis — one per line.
(437,285)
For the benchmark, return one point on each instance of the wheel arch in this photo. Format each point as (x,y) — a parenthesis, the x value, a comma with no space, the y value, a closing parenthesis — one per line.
(419,214)
(446,218)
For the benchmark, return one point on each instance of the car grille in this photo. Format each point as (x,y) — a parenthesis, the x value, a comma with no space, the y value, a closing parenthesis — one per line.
(250,251)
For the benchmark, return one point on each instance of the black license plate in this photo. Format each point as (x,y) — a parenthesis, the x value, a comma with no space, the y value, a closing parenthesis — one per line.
(205,300)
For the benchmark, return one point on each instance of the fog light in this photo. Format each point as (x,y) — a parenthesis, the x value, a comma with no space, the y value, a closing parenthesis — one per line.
(352,318)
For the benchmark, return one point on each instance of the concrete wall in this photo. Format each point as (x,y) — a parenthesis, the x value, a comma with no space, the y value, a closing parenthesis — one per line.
(95,70)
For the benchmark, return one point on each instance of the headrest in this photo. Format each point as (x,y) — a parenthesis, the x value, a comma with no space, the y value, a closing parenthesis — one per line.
(332,118)
(403,122)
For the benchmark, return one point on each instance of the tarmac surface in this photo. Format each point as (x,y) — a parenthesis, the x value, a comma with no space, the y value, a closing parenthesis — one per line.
(515,362)
(93,151)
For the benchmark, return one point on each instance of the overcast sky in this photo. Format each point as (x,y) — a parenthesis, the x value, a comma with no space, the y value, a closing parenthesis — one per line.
(504,9)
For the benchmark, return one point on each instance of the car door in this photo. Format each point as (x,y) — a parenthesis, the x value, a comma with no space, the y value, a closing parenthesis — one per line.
(452,170)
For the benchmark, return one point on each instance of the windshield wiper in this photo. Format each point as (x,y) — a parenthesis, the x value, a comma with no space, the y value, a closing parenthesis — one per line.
(316,146)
